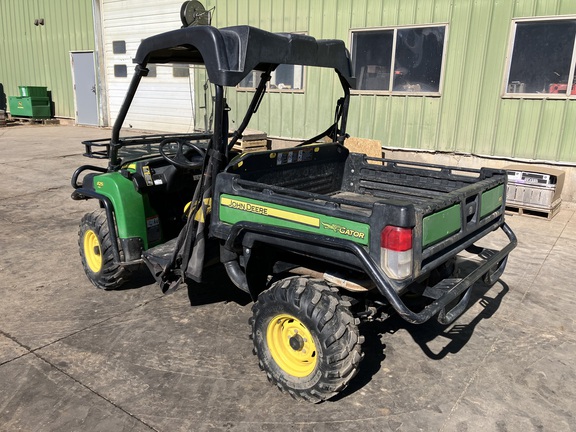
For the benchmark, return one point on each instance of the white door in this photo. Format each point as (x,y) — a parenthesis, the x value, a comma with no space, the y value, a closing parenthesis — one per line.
(84,75)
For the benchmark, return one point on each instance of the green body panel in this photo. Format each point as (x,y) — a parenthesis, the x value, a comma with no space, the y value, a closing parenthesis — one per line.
(440,225)
(240,209)
(491,200)
(132,209)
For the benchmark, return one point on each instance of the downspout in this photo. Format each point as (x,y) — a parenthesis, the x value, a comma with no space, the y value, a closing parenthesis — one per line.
(101,81)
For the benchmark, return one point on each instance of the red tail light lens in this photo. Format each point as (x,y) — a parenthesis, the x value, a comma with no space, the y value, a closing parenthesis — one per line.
(396,252)
(396,239)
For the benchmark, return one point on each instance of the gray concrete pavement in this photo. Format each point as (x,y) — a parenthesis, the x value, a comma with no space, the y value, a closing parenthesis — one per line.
(76,358)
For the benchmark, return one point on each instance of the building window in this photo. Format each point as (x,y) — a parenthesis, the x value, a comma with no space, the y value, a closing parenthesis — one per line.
(119,47)
(542,58)
(152,71)
(120,71)
(399,60)
(180,71)
(287,78)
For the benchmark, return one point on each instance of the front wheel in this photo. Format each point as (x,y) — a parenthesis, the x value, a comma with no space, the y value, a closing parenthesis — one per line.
(306,339)
(97,252)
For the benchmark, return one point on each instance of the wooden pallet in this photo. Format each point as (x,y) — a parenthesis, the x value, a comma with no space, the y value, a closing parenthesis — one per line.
(31,120)
(252,140)
(251,146)
(534,212)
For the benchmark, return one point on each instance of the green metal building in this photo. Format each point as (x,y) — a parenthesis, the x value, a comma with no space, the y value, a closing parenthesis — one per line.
(476,77)
(37,38)
(496,86)
(438,80)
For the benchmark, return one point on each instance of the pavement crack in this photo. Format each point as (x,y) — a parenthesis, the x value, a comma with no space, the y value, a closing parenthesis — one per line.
(35,352)
(498,337)
(13,339)
(140,305)
(94,392)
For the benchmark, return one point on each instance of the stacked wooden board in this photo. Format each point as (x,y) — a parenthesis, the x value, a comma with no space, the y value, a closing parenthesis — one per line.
(251,141)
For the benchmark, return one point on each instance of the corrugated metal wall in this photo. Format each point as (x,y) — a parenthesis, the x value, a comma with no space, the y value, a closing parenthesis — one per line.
(470,116)
(39,55)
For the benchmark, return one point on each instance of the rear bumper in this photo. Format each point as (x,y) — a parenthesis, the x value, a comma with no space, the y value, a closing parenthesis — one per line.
(449,289)
(492,266)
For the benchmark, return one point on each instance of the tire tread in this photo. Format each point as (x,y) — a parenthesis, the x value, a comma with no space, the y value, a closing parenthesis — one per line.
(328,318)
(112,275)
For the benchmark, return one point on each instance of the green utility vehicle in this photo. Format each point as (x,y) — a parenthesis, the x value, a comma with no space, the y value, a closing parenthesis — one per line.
(320,237)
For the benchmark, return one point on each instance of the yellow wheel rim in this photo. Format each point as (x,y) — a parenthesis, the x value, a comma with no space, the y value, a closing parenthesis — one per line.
(291,345)
(92,251)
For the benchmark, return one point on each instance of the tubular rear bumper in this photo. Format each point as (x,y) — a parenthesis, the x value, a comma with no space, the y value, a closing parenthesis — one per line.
(493,265)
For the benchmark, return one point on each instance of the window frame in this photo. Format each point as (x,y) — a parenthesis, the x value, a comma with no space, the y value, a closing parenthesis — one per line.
(390,91)
(269,89)
(510,52)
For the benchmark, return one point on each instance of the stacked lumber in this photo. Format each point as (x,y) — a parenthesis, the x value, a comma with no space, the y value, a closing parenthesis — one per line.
(251,141)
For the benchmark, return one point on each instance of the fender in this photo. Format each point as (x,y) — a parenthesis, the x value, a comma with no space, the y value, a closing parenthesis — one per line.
(130,210)
(81,193)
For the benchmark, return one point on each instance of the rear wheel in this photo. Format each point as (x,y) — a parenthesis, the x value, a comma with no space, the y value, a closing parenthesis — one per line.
(306,339)
(97,252)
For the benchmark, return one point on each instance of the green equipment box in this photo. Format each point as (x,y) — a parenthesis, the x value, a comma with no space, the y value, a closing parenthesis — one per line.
(33,91)
(29,107)
(32,102)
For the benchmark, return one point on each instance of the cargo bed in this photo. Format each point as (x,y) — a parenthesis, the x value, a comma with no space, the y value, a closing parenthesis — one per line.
(448,208)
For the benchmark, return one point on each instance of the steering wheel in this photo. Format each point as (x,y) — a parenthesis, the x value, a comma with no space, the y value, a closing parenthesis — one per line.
(181,159)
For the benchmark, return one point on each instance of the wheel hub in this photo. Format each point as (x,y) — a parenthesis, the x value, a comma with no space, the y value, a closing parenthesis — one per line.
(291,345)
(92,251)
(296,342)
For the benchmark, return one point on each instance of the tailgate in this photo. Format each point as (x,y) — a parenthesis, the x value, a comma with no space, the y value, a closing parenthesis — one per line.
(449,208)
(451,225)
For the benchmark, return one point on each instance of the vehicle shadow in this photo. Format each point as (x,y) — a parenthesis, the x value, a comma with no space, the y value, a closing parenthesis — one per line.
(215,288)
(139,277)
(457,335)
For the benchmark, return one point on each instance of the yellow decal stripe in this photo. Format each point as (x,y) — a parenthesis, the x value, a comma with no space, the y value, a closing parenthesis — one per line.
(269,211)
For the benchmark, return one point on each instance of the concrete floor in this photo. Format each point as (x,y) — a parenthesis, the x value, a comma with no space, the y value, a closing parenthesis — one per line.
(74,358)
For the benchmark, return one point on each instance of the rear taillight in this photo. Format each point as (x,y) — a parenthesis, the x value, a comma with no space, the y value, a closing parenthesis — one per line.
(396,252)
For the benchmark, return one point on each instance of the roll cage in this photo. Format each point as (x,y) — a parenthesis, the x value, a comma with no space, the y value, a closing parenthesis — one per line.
(229,55)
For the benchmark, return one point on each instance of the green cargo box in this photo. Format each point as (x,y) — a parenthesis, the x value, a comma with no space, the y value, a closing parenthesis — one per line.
(32,91)
(36,107)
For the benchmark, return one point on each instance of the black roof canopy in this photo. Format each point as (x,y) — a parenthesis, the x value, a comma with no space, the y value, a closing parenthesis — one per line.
(230,53)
